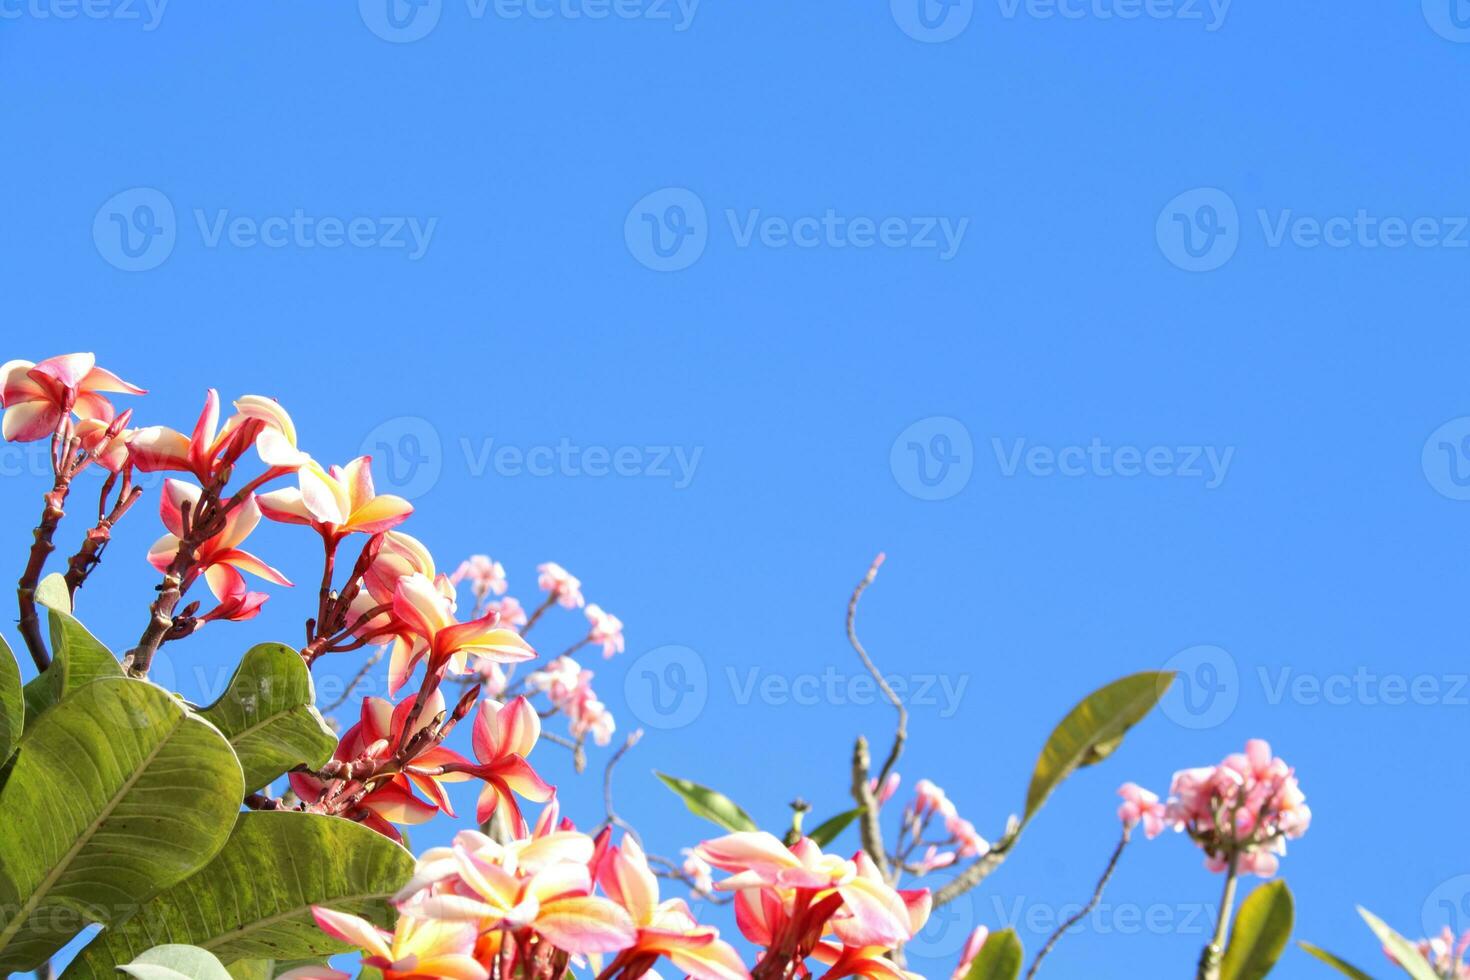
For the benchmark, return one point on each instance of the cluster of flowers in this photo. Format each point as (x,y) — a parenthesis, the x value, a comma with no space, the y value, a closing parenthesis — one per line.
(564,682)
(393,596)
(531,907)
(960,840)
(1240,812)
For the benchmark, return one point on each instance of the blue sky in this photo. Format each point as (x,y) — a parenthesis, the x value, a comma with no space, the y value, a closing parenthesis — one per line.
(1131,332)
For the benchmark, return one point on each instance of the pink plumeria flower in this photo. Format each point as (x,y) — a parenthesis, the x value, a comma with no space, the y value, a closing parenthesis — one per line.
(37,396)
(561,585)
(258,421)
(1141,806)
(416,948)
(486,576)
(219,559)
(884,793)
(428,617)
(558,680)
(107,442)
(607,630)
(337,502)
(510,610)
(698,870)
(503,737)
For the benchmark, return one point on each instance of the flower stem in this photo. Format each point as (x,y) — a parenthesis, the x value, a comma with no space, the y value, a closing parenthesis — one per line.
(1209,961)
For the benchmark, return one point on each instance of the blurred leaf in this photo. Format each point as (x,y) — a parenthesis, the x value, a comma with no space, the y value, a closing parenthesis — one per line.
(12,703)
(999,959)
(77,658)
(1259,933)
(1404,951)
(117,793)
(826,832)
(712,806)
(253,901)
(1337,963)
(1092,730)
(176,962)
(267,714)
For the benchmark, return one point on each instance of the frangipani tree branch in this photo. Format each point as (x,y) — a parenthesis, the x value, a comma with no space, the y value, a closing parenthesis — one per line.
(870,828)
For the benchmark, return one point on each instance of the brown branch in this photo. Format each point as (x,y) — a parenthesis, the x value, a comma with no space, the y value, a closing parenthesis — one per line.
(1086,910)
(89,555)
(977,872)
(870,827)
(613,820)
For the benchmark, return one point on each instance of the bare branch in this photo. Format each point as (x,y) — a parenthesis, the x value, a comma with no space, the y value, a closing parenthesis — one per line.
(1086,910)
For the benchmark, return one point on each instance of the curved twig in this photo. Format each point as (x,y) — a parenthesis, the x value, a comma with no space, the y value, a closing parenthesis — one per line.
(870,828)
(1086,910)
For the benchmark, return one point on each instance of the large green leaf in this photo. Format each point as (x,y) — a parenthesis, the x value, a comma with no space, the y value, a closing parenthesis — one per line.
(999,959)
(52,593)
(1092,730)
(253,901)
(267,714)
(1261,929)
(176,962)
(12,703)
(77,659)
(1402,950)
(117,793)
(1336,962)
(704,802)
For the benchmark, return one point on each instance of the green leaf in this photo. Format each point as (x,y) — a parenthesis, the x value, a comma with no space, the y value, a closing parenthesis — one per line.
(77,659)
(116,793)
(267,714)
(1404,951)
(176,962)
(826,832)
(12,703)
(1092,730)
(1259,934)
(704,802)
(254,900)
(999,959)
(252,969)
(1336,962)
(52,593)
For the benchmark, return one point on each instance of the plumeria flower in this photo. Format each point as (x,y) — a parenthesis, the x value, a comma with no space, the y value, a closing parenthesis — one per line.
(376,736)
(884,793)
(486,577)
(1244,809)
(37,396)
(560,585)
(510,610)
(665,929)
(607,630)
(973,944)
(219,558)
(873,961)
(417,948)
(427,617)
(258,421)
(337,502)
(107,441)
(1141,806)
(503,737)
(698,870)
(558,679)
(862,908)
(491,890)
(590,716)
(238,605)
